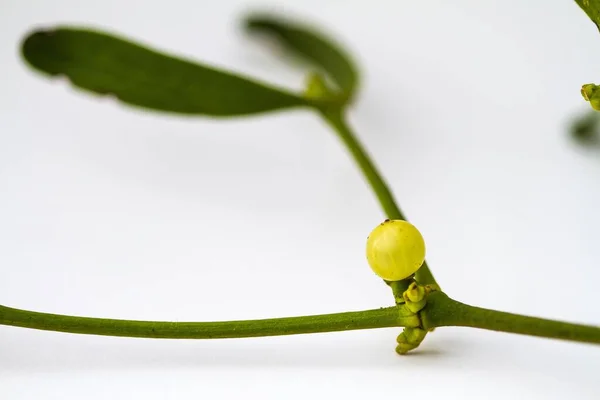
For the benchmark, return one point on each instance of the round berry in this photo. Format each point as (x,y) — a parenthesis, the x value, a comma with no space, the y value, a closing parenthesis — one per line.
(395,250)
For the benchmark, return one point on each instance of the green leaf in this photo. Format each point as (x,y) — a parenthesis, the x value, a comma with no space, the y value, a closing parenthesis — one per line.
(143,77)
(592,9)
(312,46)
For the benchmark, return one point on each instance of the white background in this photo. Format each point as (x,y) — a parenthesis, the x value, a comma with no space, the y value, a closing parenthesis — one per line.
(112,212)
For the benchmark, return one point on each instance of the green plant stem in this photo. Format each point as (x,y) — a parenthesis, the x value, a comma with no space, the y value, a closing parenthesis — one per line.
(337,121)
(440,311)
(369,319)
(444,311)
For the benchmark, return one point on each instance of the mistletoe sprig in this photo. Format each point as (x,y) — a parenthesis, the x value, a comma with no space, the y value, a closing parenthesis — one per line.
(102,63)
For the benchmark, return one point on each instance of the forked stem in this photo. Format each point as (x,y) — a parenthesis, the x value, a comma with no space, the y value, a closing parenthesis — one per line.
(444,311)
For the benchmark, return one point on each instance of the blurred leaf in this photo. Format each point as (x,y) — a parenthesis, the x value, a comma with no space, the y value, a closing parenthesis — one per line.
(592,9)
(142,77)
(585,128)
(312,46)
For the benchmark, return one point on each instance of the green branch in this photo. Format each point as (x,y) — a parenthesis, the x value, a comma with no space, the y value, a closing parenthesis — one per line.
(369,319)
(374,178)
(440,311)
(444,311)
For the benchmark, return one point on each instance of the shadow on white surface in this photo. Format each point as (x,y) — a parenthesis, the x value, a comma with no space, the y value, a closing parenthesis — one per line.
(457,348)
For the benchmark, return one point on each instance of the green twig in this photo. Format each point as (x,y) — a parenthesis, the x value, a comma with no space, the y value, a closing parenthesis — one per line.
(444,311)
(384,195)
(440,311)
(369,319)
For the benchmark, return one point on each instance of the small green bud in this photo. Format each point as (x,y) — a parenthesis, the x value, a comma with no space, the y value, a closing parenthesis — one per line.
(316,87)
(591,93)
(410,339)
(395,250)
(414,297)
(415,293)
(404,348)
(411,335)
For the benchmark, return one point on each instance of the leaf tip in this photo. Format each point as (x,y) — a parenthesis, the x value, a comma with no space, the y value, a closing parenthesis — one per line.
(33,47)
(262,23)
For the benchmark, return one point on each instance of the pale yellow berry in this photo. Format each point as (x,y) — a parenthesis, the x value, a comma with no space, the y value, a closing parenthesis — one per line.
(395,250)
